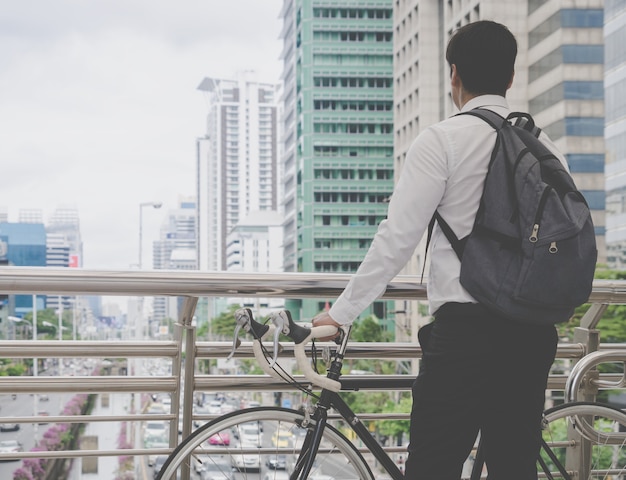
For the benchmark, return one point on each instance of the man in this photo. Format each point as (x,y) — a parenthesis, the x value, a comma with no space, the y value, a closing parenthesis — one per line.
(479,371)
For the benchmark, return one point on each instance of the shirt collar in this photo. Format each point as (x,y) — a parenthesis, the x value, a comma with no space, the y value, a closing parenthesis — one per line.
(485,101)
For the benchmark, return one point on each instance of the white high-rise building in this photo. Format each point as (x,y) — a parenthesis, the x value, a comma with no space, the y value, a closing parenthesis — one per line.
(176,249)
(255,245)
(615,131)
(64,248)
(237,160)
(66,221)
(30,215)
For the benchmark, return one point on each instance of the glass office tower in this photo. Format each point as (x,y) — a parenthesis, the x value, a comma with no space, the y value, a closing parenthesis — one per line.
(337,135)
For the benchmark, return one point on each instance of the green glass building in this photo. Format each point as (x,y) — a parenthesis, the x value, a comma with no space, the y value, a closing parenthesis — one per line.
(337,135)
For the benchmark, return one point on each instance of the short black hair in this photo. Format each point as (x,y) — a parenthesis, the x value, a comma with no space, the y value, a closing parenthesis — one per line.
(484,54)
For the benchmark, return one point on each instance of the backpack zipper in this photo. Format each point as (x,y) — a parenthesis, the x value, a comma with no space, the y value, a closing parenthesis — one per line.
(511,178)
(542,203)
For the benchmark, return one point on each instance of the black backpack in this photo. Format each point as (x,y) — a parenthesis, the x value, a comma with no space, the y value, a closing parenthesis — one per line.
(531,255)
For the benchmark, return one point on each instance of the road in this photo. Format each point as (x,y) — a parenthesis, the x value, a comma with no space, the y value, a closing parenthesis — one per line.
(24,406)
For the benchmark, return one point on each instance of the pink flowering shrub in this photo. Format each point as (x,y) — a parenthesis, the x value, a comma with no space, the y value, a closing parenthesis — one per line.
(22,474)
(125,462)
(58,437)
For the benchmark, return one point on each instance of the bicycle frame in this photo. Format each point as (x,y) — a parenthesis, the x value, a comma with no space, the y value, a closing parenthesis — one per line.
(329,399)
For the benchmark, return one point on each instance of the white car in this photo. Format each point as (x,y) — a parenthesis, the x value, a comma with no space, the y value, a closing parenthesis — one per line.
(246,461)
(155,429)
(12,446)
(216,468)
(249,434)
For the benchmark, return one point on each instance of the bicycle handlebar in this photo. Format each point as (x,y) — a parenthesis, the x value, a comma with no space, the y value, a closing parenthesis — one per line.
(282,323)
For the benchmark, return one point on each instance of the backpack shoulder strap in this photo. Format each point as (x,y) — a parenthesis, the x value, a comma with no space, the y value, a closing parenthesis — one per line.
(457,245)
(488,116)
(525,121)
(517,119)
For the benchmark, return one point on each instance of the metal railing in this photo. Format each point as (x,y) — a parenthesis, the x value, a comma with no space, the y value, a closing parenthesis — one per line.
(184,350)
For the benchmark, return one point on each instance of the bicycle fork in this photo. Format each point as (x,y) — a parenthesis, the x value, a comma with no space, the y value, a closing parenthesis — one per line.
(312,440)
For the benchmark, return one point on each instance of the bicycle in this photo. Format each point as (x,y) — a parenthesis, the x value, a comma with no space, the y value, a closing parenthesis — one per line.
(316,449)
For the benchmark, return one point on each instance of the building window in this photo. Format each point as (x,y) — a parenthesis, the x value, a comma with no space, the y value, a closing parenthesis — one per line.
(573,54)
(595,198)
(585,162)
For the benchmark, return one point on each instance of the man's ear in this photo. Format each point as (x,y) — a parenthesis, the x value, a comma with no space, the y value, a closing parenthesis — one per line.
(455,80)
(511,81)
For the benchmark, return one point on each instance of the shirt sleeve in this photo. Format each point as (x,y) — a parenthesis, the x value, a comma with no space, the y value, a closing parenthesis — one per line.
(416,196)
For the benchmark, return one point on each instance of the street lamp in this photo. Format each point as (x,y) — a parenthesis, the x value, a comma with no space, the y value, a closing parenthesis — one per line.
(15,320)
(141,206)
(49,324)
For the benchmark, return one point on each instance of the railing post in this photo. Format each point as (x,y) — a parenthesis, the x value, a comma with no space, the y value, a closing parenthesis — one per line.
(186,339)
(579,457)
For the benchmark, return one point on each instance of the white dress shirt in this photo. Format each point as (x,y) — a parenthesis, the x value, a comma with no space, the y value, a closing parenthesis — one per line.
(445,169)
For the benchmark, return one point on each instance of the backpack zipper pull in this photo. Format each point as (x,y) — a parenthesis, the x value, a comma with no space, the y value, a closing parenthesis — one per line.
(533,236)
(553,248)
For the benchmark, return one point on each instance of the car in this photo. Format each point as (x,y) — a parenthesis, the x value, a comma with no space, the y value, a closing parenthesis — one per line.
(246,461)
(220,438)
(277,462)
(11,446)
(281,438)
(276,475)
(214,407)
(227,408)
(9,427)
(198,422)
(216,468)
(155,429)
(155,442)
(158,464)
(249,434)
(157,408)
(43,413)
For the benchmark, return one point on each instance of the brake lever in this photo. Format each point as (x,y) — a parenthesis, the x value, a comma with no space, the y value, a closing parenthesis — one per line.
(244,319)
(281,322)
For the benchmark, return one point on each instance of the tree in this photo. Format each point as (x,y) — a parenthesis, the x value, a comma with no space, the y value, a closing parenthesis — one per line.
(221,326)
(50,317)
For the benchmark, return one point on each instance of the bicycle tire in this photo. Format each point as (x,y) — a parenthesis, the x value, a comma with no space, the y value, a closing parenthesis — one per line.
(604,453)
(337,454)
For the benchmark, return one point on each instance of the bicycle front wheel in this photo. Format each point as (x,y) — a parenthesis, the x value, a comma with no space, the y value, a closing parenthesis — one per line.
(262,439)
(584,440)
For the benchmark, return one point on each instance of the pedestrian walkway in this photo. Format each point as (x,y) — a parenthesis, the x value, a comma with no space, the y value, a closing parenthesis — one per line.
(108,437)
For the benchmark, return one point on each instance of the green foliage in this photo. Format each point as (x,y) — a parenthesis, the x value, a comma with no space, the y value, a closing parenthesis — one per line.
(369,330)
(221,326)
(396,428)
(50,316)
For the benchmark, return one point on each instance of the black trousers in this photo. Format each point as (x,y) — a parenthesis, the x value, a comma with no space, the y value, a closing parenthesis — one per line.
(479,372)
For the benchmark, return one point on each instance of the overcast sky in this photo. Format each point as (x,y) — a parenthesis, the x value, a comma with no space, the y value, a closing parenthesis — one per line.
(99,107)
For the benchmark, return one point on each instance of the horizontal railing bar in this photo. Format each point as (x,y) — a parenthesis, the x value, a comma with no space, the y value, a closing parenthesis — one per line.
(55,281)
(91,384)
(121,349)
(88,418)
(376,350)
(85,453)
(86,349)
(47,280)
(214,383)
